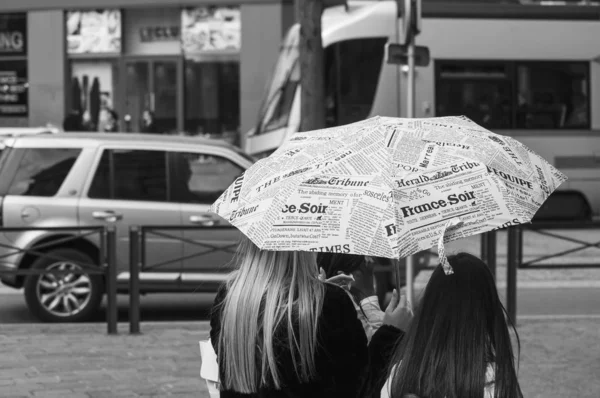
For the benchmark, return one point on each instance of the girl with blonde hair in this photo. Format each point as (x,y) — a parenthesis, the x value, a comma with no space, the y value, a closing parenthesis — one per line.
(278,331)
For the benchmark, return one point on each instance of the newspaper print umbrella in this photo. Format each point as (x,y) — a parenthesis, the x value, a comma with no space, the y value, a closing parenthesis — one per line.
(387,187)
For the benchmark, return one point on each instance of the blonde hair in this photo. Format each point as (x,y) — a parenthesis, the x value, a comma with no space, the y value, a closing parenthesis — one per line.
(269,290)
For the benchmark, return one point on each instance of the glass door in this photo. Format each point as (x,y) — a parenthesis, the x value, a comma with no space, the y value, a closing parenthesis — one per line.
(153,91)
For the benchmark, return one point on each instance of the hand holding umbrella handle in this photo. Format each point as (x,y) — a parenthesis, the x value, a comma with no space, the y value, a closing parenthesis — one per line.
(342,280)
(398,313)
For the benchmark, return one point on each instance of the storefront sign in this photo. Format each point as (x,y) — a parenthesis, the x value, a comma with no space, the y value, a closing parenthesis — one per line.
(153,31)
(13,34)
(150,34)
(13,88)
(211,29)
(94,32)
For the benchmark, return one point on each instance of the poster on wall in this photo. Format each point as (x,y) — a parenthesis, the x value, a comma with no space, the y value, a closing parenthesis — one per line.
(93,32)
(92,92)
(13,88)
(13,34)
(211,29)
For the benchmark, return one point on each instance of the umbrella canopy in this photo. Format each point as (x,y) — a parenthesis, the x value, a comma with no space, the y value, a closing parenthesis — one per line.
(387,187)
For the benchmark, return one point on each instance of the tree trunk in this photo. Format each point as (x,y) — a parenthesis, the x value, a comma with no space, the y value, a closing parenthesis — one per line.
(312,65)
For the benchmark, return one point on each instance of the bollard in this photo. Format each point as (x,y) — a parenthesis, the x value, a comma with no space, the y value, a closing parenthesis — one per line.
(111,279)
(511,273)
(410,266)
(492,252)
(484,246)
(134,280)
(488,250)
(519,247)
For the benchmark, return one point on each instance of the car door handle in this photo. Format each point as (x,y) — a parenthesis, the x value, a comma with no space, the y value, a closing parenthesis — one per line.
(107,215)
(206,221)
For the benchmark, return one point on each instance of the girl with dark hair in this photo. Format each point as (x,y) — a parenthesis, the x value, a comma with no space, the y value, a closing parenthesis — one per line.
(458,345)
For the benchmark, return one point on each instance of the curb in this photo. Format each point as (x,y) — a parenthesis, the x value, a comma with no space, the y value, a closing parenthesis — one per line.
(147,328)
(540,284)
(558,317)
(6,291)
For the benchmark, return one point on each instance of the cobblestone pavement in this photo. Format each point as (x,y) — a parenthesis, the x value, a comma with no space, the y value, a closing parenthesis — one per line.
(82,361)
(559,358)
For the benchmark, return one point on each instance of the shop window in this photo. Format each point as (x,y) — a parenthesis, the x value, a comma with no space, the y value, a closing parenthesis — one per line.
(93,38)
(212,98)
(14,88)
(131,175)
(42,171)
(211,42)
(352,70)
(92,92)
(202,178)
(522,95)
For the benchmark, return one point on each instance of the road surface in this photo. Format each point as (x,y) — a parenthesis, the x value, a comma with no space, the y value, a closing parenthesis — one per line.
(531,302)
(156,307)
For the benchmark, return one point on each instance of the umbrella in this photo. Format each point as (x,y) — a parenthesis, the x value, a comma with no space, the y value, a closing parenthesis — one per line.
(387,187)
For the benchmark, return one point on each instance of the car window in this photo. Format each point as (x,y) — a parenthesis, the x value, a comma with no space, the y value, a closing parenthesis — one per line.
(202,178)
(42,171)
(131,175)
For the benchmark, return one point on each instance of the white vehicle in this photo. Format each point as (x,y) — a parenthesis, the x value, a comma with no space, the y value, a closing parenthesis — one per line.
(530,72)
(9,132)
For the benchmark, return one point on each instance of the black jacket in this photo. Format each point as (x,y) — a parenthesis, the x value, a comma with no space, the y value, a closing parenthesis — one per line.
(342,357)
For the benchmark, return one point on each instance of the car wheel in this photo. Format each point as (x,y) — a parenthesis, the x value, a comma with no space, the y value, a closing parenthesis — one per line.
(67,297)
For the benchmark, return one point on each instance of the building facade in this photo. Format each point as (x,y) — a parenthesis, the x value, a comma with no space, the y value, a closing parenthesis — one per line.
(198,67)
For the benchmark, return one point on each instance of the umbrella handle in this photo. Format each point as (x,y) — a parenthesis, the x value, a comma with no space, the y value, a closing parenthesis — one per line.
(440,245)
(398,275)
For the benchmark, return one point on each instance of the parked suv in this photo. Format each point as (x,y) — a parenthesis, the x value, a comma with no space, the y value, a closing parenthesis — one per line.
(93,179)
(8,132)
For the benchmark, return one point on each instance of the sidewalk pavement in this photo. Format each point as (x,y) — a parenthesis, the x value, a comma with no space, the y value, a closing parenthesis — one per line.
(82,361)
(559,358)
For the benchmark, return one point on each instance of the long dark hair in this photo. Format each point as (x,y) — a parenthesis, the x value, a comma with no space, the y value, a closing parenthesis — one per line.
(460,326)
(332,263)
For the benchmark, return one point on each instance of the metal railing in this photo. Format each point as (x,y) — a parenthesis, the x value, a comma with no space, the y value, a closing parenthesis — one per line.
(515,253)
(139,234)
(138,261)
(106,262)
(543,228)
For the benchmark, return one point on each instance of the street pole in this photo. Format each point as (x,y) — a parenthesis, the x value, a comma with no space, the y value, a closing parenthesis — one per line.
(410,113)
(410,100)
(312,65)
